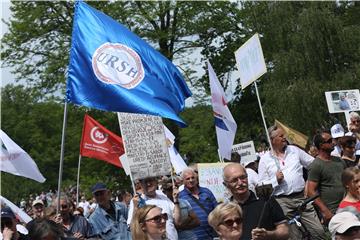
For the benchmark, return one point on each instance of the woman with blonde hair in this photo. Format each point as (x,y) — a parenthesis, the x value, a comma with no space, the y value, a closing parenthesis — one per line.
(149,223)
(226,219)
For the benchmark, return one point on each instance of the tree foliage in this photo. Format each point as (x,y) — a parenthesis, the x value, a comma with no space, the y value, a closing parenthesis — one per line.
(309,48)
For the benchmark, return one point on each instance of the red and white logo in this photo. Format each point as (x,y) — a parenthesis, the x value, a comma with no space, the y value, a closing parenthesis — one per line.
(98,136)
(115,63)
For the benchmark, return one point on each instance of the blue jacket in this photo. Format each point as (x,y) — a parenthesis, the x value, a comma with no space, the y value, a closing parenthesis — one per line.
(108,229)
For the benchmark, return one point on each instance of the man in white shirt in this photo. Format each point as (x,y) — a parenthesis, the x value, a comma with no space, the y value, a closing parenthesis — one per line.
(85,205)
(154,197)
(283,168)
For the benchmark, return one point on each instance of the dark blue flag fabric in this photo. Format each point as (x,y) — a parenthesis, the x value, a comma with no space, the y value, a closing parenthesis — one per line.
(113,69)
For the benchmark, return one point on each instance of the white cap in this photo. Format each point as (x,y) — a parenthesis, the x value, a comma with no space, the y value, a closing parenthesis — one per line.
(342,222)
(337,131)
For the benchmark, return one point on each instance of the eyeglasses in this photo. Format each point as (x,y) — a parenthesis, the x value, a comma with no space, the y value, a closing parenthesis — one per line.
(230,222)
(158,219)
(236,179)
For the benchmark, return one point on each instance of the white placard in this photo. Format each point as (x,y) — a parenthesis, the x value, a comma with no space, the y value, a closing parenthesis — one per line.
(343,100)
(145,145)
(250,61)
(211,177)
(247,152)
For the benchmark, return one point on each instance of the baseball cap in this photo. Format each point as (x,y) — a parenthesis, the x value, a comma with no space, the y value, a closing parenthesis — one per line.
(342,222)
(38,201)
(337,131)
(98,187)
(6,212)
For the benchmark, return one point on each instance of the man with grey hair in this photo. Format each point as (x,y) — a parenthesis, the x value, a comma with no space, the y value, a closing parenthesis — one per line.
(202,201)
(283,168)
(262,220)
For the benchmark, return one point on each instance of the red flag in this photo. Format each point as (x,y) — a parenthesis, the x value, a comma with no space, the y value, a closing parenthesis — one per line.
(98,142)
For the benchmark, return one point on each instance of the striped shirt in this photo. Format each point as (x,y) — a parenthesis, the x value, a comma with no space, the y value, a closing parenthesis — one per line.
(207,199)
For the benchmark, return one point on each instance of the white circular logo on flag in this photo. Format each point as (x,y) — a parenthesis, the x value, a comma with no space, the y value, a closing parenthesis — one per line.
(98,136)
(115,63)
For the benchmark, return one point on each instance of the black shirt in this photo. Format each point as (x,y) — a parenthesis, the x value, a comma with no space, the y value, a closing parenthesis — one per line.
(252,208)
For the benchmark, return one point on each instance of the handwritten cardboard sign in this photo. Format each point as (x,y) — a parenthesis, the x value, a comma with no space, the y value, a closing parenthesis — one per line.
(145,145)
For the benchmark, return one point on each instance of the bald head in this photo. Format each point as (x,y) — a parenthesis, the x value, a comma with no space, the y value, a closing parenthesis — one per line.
(235,180)
(232,168)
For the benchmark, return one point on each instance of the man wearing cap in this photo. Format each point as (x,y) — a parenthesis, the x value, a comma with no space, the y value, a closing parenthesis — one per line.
(337,131)
(8,226)
(37,209)
(283,168)
(345,226)
(108,221)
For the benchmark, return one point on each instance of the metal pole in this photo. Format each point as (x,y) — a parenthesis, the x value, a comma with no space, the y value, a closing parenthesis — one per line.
(262,115)
(61,158)
(78,182)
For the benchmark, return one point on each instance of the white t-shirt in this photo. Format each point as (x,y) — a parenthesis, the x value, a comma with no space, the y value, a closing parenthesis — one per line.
(166,205)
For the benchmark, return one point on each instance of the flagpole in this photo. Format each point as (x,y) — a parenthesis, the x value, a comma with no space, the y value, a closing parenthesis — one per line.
(78,182)
(61,157)
(262,115)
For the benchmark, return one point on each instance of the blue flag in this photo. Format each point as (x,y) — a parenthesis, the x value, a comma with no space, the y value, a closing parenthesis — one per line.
(113,69)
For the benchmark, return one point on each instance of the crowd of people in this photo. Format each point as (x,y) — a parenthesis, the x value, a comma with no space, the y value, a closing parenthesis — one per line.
(265,194)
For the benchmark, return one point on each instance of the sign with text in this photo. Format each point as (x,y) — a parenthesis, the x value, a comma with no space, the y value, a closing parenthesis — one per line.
(247,152)
(343,100)
(145,145)
(250,61)
(211,177)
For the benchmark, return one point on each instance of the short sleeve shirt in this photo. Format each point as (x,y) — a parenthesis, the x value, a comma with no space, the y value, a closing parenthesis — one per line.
(252,208)
(328,176)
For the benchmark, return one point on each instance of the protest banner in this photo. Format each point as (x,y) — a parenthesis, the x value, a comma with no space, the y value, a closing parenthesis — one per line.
(211,177)
(251,65)
(343,100)
(145,145)
(246,151)
(250,61)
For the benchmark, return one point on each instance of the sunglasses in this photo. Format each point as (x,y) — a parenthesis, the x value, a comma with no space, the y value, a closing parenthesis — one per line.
(158,219)
(230,222)
(64,206)
(355,121)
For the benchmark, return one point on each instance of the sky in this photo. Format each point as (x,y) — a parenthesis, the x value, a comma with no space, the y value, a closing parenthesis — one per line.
(6,76)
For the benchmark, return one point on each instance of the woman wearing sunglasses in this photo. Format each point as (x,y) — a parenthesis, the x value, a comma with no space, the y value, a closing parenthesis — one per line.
(226,219)
(149,224)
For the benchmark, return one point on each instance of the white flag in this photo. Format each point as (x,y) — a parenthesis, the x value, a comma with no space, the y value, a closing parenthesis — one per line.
(176,160)
(225,124)
(14,160)
(17,211)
